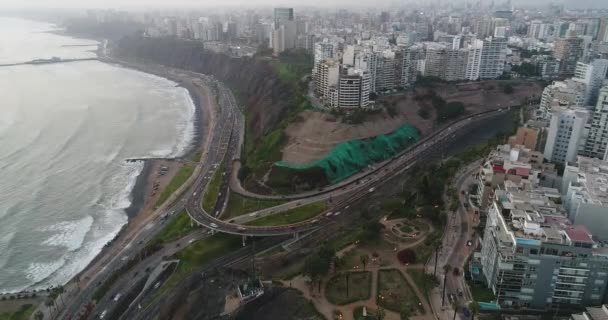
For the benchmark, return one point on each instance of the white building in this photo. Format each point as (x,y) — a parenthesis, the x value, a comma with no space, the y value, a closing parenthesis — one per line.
(565,134)
(568,93)
(474,60)
(586,196)
(597,140)
(326,77)
(593,76)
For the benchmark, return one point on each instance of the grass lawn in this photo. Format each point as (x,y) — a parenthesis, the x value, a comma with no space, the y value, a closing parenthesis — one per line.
(177,227)
(213,189)
(291,216)
(178,180)
(482,294)
(352,260)
(196,255)
(359,287)
(394,291)
(23,313)
(239,205)
(406,229)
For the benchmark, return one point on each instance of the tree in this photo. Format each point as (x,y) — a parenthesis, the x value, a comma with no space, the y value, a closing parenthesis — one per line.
(474,308)
(347,277)
(406,311)
(370,232)
(49,303)
(455,306)
(380,314)
(364,259)
(38,315)
(317,265)
(60,291)
(446,270)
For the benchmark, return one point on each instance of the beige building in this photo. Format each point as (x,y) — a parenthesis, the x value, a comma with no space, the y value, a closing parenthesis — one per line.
(527,137)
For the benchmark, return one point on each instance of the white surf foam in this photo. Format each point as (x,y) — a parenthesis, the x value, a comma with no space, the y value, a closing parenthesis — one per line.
(70,234)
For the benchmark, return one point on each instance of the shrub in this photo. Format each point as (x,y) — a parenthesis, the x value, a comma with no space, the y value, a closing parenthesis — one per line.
(406,256)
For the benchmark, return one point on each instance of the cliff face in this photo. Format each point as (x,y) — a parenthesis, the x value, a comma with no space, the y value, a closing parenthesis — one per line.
(252,79)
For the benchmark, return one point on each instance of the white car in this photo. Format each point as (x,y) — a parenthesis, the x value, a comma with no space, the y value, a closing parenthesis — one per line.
(117,296)
(213,225)
(372,189)
(103,314)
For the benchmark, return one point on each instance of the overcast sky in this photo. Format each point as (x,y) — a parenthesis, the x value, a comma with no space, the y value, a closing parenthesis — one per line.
(251,3)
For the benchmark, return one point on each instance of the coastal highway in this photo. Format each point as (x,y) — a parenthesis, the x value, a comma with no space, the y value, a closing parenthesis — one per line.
(350,191)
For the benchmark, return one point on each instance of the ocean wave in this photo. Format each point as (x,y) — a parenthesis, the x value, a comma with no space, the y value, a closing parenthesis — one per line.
(187,133)
(85,246)
(69,234)
(39,271)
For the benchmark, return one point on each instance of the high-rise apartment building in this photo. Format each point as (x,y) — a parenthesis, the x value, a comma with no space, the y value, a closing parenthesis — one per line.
(283,15)
(284,33)
(385,72)
(597,139)
(353,89)
(568,93)
(565,134)
(475,48)
(593,75)
(327,76)
(568,51)
(533,257)
(493,58)
(585,189)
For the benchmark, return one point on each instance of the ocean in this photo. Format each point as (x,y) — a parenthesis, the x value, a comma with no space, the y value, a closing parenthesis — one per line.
(66,130)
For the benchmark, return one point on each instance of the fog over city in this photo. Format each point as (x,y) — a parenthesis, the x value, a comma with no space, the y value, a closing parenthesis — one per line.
(38,4)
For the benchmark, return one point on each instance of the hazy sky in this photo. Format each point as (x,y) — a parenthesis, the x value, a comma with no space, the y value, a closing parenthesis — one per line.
(251,3)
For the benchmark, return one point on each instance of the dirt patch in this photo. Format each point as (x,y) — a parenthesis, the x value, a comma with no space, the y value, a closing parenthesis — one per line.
(318,133)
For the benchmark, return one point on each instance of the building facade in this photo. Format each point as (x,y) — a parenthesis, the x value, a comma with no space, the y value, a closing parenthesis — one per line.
(566,132)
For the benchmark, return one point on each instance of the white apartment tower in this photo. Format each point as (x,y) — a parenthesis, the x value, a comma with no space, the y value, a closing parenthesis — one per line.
(326,77)
(568,93)
(597,139)
(474,60)
(593,76)
(565,133)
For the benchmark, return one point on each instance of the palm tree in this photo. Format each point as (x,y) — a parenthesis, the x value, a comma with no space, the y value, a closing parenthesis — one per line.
(49,303)
(347,277)
(364,259)
(380,314)
(446,270)
(405,311)
(474,308)
(60,291)
(38,315)
(455,306)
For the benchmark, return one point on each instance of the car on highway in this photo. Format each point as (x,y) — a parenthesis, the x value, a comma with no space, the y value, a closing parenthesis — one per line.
(329,214)
(116,297)
(255,214)
(372,189)
(213,225)
(103,314)
(241,229)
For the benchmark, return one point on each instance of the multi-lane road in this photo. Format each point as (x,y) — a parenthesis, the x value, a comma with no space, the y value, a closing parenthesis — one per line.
(349,190)
(224,145)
